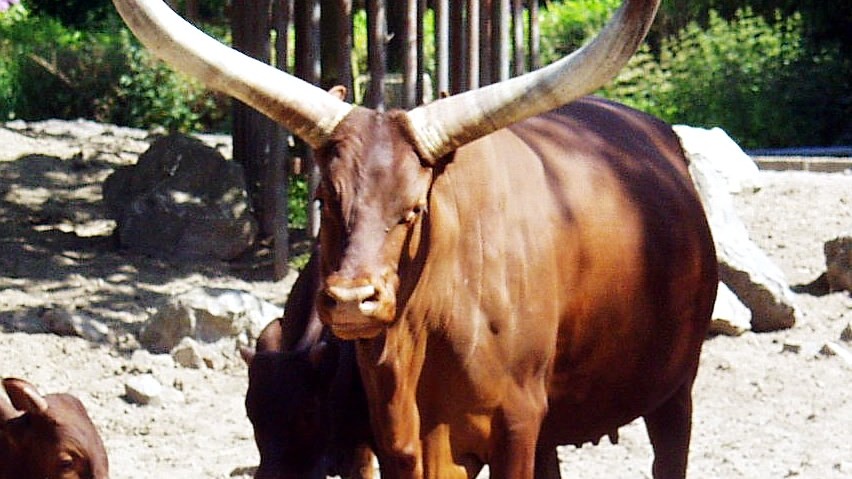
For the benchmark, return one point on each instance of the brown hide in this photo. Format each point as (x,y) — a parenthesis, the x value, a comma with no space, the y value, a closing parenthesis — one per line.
(305,399)
(544,285)
(47,437)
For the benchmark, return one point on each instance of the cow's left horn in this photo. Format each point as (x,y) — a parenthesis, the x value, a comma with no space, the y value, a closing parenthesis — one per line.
(311,113)
(444,125)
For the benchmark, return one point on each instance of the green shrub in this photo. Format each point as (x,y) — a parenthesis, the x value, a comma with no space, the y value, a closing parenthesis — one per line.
(149,93)
(297,206)
(49,70)
(565,26)
(760,81)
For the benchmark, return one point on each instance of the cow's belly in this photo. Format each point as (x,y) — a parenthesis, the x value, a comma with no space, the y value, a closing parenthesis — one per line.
(616,378)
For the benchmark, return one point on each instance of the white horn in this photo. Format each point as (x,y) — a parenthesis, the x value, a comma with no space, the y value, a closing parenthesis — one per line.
(444,125)
(308,111)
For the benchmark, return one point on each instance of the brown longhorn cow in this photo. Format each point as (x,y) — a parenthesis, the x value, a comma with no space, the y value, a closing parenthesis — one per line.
(519,267)
(47,437)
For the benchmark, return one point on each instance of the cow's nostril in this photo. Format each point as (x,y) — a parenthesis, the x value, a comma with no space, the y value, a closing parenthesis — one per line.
(351,295)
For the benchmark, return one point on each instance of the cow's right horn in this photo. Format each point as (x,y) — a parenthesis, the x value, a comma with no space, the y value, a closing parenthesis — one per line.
(308,111)
(446,124)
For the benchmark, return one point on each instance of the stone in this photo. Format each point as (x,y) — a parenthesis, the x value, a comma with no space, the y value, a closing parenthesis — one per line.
(142,361)
(730,316)
(188,354)
(846,334)
(743,266)
(208,315)
(144,390)
(75,323)
(713,150)
(830,348)
(182,200)
(838,263)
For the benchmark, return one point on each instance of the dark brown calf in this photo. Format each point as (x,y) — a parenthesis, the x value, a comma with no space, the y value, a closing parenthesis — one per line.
(305,398)
(47,437)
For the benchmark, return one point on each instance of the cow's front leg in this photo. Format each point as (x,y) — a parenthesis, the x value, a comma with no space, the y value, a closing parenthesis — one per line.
(517,424)
(390,371)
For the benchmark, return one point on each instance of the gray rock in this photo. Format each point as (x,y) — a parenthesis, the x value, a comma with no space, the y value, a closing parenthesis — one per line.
(182,200)
(142,361)
(188,354)
(846,334)
(838,263)
(743,266)
(208,315)
(76,323)
(144,390)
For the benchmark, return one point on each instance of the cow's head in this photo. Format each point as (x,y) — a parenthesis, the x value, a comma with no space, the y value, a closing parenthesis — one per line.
(287,404)
(47,436)
(377,167)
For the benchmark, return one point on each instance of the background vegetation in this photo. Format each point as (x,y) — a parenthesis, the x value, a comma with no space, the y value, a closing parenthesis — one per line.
(771,73)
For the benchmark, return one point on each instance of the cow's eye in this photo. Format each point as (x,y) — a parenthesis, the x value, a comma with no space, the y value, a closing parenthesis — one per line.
(66,462)
(411,215)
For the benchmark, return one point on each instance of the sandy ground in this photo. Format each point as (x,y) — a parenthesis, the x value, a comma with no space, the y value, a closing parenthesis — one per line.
(760,412)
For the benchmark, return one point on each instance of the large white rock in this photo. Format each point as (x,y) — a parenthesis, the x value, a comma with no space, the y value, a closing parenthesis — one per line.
(743,266)
(713,150)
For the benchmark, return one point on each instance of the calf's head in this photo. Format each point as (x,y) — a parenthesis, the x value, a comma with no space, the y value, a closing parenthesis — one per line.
(47,437)
(287,405)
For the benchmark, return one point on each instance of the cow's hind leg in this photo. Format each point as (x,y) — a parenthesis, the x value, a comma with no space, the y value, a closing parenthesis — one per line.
(547,463)
(669,428)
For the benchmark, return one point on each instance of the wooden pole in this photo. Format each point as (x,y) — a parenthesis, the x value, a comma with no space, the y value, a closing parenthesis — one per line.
(472,45)
(500,39)
(376,53)
(534,37)
(279,167)
(458,69)
(409,65)
(518,59)
(442,50)
(485,41)
(306,15)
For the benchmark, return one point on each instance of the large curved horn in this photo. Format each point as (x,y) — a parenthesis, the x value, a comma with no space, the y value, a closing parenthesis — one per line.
(444,125)
(308,111)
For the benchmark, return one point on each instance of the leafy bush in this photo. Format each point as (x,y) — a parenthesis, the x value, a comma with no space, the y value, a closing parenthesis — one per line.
(759,80)
(150,93)
(565,26)
(49,70)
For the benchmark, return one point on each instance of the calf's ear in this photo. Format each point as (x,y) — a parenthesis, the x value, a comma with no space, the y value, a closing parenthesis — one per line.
(24,396)
(7,411)
(247,354)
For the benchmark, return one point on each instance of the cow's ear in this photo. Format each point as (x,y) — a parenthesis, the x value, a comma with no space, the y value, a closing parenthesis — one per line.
(7,411)
(24,396)
(247,354)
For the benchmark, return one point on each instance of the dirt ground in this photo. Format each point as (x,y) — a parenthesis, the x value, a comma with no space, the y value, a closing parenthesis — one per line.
(760,412)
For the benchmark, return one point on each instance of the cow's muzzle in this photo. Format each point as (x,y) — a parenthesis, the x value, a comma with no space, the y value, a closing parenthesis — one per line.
(356,309)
